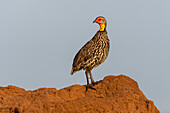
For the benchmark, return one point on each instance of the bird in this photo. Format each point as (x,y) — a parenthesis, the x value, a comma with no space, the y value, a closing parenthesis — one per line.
(93,53)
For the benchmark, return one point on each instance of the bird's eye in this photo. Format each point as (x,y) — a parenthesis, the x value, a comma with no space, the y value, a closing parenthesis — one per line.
(99,19)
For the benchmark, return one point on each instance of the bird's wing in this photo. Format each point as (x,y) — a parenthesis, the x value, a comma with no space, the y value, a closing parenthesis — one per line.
(84,54)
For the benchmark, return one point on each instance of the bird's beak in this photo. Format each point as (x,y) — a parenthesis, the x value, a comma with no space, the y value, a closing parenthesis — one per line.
(94,21)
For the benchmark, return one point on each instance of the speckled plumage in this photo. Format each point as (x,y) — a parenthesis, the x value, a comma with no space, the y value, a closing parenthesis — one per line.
(92,54)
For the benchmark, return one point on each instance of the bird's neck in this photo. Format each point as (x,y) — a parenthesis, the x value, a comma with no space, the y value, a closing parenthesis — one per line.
(102,27)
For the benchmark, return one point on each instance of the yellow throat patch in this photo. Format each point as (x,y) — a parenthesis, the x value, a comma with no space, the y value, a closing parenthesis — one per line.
(102,27)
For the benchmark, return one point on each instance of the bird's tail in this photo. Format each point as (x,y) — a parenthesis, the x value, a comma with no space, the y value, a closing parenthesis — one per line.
(75,69)
(72,71)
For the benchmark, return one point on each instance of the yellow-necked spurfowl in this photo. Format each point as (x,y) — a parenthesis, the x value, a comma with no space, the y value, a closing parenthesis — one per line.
(94,52)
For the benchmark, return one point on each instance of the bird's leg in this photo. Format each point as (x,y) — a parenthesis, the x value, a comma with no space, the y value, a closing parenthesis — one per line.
(92,81)
(88,85)
(86,72)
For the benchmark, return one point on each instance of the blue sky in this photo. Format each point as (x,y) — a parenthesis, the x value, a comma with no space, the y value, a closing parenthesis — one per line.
(39,39)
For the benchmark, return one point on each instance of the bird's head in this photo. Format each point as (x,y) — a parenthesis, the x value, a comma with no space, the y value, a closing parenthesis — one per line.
(101,21)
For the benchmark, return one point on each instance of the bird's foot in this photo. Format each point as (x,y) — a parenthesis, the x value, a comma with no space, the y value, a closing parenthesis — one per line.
(89,86)
(95,83)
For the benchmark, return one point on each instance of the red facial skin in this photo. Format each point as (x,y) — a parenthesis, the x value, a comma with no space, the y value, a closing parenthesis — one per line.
(98,20)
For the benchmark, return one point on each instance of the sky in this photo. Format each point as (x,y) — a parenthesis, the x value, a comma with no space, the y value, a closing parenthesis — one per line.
(39,39)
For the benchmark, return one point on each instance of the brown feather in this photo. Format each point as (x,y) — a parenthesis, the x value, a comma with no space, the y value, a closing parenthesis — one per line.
(93,53)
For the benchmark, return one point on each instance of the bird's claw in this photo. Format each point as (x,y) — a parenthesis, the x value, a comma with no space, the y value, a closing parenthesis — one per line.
(88,86)
(95,83)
